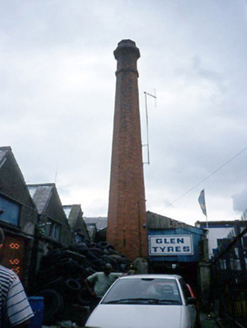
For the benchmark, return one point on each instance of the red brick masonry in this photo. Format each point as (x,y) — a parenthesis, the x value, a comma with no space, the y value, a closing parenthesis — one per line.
(127,212)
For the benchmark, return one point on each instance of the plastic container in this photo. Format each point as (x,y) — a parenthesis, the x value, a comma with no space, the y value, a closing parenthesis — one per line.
(37,305)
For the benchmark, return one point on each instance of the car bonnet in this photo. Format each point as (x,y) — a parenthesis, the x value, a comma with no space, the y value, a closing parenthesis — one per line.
(136,316)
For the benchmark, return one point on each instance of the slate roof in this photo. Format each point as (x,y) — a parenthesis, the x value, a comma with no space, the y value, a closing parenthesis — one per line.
(3,152)
(100,222)
(67,210)
(75,218)
(41,194)
(7,156)
(92,230)
(72,212)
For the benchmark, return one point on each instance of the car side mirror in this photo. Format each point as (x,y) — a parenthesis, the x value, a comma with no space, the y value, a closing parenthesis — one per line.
(191,300)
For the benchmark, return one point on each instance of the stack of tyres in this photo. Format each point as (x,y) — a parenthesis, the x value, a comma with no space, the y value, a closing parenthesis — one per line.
(60,280)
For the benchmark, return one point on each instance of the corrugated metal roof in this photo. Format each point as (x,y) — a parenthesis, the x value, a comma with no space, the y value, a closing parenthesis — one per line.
(157,221)
(154,221)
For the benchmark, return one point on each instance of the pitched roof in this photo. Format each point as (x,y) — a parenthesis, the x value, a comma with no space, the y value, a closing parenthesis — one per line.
(3,152)
(157,221)
(74,215)
(7,156)
(68,210)
(41,194)
(100,222)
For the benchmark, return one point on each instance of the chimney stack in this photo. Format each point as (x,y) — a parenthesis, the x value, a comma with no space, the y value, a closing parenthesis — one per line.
(127,211)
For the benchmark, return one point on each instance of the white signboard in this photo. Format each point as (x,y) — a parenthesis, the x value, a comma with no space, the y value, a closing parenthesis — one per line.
(171,245)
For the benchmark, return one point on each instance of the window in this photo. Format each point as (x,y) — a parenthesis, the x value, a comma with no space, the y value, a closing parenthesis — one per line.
(56,228)
(185,289)
(52,229)
(244,242)
(11,211)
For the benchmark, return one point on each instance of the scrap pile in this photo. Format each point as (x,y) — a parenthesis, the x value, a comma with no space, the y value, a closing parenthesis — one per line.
(61,276)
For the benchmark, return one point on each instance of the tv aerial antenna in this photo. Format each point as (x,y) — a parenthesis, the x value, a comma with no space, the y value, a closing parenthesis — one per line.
(147,133)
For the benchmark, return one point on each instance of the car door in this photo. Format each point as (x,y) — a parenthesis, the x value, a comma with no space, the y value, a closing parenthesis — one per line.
(190,301)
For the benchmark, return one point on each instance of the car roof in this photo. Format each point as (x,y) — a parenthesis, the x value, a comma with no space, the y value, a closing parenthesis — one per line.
(152,276)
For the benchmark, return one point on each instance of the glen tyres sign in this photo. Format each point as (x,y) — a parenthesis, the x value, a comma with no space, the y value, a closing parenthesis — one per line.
(166,245)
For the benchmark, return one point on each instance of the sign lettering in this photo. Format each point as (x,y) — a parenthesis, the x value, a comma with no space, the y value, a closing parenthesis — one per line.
(171,245)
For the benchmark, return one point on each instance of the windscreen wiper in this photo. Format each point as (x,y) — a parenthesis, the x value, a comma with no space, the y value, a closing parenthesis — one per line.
(134,301)
(168,302)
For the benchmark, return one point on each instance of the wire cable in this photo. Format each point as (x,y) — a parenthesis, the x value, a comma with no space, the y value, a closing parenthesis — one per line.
(219,168)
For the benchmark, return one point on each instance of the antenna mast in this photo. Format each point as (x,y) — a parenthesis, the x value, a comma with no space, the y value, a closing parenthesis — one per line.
(146,108)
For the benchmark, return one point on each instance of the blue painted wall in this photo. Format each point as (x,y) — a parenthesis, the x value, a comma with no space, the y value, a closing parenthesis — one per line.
(193,232)
(11,211)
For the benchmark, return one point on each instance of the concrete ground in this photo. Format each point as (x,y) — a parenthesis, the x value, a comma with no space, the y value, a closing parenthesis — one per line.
(209,321)
(206,322)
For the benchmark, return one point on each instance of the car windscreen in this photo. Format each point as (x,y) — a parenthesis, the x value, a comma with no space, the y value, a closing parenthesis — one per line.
(144,291)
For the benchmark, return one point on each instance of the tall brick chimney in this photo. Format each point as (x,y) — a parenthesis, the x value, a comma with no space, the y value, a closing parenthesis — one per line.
(127,211)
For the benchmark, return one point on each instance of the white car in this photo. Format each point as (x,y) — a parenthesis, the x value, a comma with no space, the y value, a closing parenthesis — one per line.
(146,301)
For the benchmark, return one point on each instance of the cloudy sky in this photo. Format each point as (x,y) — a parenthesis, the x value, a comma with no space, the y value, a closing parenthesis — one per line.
(57,90)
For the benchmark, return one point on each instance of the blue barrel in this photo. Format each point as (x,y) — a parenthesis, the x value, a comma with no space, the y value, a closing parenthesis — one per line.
(37,305)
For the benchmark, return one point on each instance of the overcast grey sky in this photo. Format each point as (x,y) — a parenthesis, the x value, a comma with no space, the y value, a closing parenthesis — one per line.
(57,79)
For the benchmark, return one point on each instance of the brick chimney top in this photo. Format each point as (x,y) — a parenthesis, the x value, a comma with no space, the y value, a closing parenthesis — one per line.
(126,55)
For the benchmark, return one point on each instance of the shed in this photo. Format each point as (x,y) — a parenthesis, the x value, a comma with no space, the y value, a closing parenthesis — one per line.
(74,216)
(18,217)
